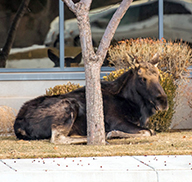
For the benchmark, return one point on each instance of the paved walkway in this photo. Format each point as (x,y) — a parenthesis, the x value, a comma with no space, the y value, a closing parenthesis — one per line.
(98,169)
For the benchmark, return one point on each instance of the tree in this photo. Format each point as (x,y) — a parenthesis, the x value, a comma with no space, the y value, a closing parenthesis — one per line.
(12,31)
(93,62)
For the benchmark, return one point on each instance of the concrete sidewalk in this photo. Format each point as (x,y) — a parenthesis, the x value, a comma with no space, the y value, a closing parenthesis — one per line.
(98,169)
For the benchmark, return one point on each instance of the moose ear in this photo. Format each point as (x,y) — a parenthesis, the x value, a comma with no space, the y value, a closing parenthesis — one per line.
(155,59)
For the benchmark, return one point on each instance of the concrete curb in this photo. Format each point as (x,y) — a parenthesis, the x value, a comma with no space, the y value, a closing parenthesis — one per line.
(96,169)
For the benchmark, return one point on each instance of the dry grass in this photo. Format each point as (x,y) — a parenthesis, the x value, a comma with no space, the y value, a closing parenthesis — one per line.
(7,117)
(176,143)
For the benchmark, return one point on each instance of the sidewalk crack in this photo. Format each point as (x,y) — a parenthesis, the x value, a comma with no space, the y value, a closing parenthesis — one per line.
(8,165)
(157,174)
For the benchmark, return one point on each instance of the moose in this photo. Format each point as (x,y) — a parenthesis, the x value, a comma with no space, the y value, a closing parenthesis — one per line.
(128,103)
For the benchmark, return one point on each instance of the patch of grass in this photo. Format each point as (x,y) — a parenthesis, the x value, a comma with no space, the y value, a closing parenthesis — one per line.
(176,143)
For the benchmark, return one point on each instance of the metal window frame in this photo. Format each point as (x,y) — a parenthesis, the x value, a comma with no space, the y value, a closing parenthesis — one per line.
(160,19)
(61,73)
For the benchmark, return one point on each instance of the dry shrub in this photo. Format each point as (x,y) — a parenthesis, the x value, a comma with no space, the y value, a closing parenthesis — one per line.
(161,121)
(62,89)
(114,74)
(175,58)
(7,117)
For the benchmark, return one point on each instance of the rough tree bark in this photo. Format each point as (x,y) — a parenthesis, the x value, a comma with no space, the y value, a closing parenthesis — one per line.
(93,62)
(4,53)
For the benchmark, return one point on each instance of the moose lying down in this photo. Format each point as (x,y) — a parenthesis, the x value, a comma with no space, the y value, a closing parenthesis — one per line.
(128,103)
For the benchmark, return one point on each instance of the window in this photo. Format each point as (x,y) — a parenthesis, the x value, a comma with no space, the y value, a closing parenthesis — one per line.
(141,20)
(177,20)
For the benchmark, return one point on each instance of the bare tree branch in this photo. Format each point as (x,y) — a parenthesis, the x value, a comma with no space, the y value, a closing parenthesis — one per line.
(111,28)
(82,13)
(12,32)
(87,3)
(76,6)
(70,4)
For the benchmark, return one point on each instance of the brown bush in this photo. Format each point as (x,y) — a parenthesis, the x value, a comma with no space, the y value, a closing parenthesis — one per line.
(7,117)
(62,89)
(175,58)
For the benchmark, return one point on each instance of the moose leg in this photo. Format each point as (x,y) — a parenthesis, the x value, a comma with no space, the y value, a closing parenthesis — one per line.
(60,130)
(121,134)
(58,138)
(127,130)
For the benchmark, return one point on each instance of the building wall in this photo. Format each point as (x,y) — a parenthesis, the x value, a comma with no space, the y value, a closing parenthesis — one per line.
(183,112)
(14,93)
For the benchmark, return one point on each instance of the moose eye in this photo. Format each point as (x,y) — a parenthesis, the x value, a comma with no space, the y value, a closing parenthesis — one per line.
(142,80)
(139,71)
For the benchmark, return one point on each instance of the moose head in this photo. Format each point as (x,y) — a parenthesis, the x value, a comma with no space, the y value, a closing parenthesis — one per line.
(149,93)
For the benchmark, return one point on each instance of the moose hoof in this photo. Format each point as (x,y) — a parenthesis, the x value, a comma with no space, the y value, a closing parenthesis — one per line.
(109,135)
(152,132)
(145,132)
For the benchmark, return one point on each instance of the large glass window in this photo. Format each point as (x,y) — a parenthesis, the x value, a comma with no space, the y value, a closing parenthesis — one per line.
(37,43)
(178,20)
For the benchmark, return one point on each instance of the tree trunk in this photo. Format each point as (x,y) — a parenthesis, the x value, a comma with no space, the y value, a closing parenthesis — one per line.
(94,102)
(92,63)
(12,31)
(95,117)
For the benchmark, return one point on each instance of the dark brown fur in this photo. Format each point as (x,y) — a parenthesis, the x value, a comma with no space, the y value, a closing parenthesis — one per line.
(128,103)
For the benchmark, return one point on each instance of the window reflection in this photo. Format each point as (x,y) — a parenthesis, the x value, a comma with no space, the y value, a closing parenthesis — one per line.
(28,49)
(39,31)
(177,20)
(141,20)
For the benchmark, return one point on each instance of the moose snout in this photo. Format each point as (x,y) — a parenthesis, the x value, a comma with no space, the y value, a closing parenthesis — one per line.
(162,102)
